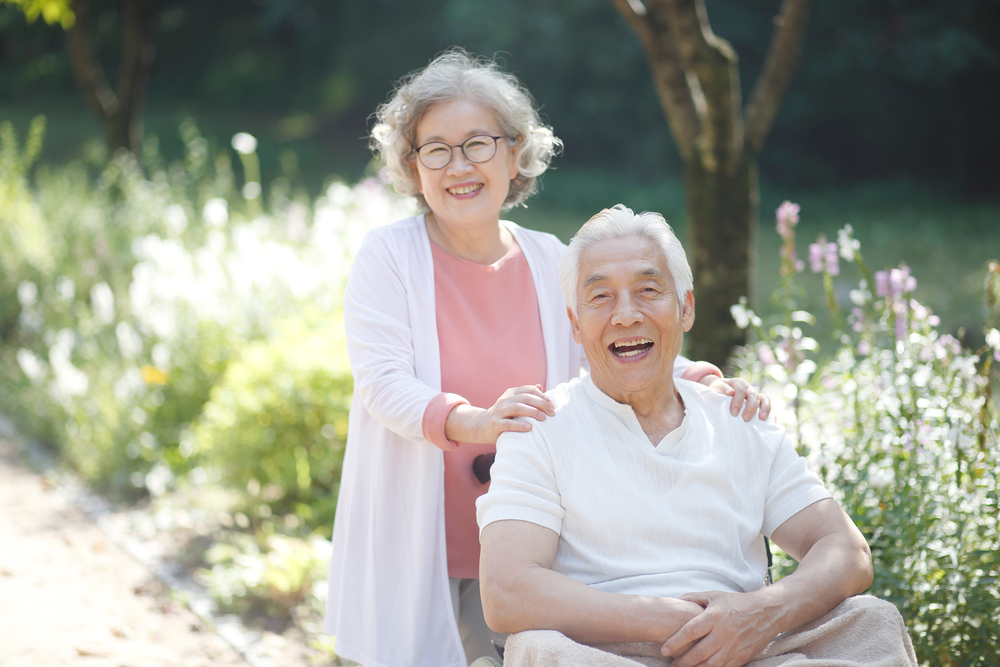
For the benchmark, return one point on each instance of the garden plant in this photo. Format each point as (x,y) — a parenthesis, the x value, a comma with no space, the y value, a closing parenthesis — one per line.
(171,328)
(898,420)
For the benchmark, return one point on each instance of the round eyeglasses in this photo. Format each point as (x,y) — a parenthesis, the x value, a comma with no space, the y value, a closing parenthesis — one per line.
(437,154)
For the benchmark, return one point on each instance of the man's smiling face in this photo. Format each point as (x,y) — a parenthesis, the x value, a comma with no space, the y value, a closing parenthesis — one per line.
(629,318)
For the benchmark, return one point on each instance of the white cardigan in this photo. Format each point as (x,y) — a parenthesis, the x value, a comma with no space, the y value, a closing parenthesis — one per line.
(389,603)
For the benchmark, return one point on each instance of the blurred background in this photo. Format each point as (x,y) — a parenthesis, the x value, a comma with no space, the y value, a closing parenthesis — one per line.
(890,120)
(170,328)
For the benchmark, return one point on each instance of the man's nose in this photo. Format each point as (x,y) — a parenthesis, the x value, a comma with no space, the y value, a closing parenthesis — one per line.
(626,311)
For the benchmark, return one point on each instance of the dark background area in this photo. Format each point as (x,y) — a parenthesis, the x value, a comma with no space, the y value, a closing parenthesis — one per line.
(885,90)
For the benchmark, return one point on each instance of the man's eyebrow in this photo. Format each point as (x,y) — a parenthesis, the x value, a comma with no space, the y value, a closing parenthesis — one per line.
(651,272)
(596,278)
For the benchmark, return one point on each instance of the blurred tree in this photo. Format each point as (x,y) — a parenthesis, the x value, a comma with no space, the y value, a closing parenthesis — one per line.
(696,75)
(120,111)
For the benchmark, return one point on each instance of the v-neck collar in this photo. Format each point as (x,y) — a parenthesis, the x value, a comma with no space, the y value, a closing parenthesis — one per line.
(627,415)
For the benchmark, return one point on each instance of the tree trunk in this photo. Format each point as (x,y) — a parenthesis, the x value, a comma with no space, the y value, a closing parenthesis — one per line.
(697,79)
(722,215)
(121,112)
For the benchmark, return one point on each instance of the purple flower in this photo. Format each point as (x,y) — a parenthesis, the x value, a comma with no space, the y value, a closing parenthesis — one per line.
(832,263)
(901,320)
(788,216)
(901,282)
(858,317)
(815,257)
(881,283)
(766,355)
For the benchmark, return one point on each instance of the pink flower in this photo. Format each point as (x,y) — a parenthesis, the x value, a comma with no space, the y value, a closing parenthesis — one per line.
(901,282)
(815,257)
(788,216)
(858,317)
(832,262)
(881,283)
(766,355)
(864,347)
(901,320)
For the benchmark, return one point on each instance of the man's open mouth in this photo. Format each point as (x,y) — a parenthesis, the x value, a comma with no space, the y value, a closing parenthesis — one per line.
(630,348)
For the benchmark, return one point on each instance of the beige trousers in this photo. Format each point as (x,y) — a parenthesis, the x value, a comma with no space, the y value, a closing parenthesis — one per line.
(862,630)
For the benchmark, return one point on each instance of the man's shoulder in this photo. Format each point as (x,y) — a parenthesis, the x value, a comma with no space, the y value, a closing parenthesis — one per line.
(567,395)
(715,407)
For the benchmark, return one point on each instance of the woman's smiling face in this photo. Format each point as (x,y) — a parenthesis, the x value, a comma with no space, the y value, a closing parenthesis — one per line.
(464,192)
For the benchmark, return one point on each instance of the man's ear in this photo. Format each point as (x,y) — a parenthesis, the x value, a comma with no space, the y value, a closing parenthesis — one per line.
(575,324)
(687,311)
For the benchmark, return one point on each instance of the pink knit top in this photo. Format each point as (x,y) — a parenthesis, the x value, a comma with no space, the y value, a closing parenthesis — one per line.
(490,336)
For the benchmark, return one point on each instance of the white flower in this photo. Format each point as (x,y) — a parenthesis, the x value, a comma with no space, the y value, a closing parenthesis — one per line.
(176,219)
(849,246)
(244,143)
(881,478)
(216,212)
(66,288)
(32,367)
(102,301)
(27,293)
(741,314)
(859,297)
(993,339)
(251,190)
(129,342)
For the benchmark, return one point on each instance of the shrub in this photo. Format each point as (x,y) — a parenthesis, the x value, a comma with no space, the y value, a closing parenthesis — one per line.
(125,294)
(277,421)
(896,418)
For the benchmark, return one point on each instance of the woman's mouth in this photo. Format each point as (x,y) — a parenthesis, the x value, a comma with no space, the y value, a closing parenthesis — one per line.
(465,189)
(630,348)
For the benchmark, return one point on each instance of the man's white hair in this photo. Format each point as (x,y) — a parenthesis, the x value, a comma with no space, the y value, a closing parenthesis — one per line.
(620,222)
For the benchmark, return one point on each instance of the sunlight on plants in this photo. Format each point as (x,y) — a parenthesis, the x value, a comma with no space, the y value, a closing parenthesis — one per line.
(898,420)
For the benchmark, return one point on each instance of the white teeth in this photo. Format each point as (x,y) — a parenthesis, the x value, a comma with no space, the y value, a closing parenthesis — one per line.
(465,189)
(641,341)
(630,354)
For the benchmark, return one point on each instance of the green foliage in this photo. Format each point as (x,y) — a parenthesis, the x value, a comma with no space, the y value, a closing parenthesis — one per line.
(277,422)
(51,11)
(897,419)
(276,577)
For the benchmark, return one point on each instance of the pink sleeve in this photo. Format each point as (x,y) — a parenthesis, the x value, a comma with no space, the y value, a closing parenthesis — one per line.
(694,372)
(435,415)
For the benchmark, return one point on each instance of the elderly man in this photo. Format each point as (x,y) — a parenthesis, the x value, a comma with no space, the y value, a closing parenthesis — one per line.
(627,528)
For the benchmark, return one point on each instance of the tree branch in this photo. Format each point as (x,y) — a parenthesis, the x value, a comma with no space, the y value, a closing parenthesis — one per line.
(668,75)
(716,80)
(137,59)
(782,59)
(88,72)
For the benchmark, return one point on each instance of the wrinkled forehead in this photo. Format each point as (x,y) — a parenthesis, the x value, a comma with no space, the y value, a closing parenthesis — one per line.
(629,259)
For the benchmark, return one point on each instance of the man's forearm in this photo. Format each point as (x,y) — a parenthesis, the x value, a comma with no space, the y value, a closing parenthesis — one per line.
(520,594)
(833,567)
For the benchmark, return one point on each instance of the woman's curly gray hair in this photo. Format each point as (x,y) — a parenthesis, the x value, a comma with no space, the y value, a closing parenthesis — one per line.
(456,74)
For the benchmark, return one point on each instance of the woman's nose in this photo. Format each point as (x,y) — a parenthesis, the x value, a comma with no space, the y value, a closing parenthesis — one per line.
(459,163)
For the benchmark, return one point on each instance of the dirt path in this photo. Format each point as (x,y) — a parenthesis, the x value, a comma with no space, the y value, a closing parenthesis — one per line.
(71,596)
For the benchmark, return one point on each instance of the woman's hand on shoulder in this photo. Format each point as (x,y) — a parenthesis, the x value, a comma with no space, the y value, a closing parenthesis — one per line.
(742,392)
(477,425)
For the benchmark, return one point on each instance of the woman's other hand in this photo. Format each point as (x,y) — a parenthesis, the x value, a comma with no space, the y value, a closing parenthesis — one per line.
(742,392)
(483,426)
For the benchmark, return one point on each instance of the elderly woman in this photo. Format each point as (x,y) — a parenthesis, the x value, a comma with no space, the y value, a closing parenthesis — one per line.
(455,324)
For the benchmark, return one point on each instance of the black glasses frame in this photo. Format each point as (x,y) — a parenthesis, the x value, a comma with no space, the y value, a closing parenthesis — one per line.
(452,147)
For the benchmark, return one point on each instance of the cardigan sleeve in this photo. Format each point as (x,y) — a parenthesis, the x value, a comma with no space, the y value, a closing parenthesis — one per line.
(380,345)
